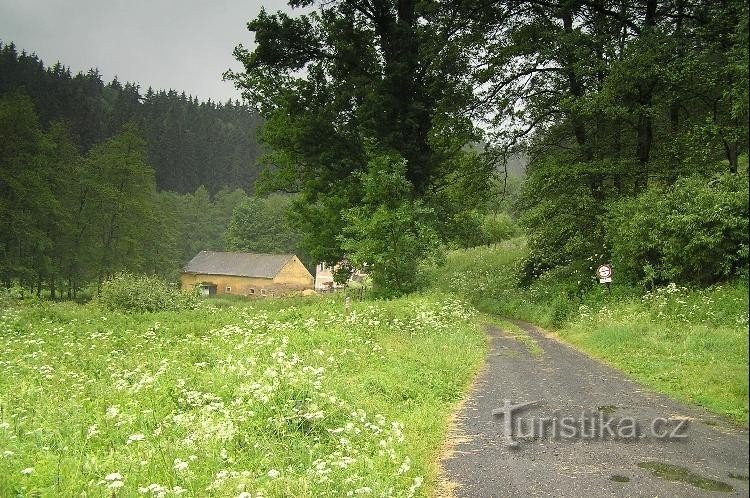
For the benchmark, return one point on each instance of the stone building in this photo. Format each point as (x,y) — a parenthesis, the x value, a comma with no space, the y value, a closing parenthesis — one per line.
(246,274)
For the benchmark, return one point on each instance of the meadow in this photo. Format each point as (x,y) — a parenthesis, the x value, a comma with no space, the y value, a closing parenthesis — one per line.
(298,397)
(689,343)
(235,398)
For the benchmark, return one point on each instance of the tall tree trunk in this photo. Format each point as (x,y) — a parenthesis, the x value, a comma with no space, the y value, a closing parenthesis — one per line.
(645,135)
(407,127)
(731,149)
(643,148)
(576,88)
(674,128)
(674,106)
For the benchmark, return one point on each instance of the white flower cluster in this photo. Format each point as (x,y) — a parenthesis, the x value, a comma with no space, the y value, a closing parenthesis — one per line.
(238,404)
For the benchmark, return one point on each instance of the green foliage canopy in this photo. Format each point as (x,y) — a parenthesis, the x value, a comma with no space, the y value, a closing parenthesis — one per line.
(690,232)
(351,81)
(262,225)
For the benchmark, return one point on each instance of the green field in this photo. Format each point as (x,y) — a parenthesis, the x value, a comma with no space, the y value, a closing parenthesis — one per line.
(691,344)
(236,398)
(295,397)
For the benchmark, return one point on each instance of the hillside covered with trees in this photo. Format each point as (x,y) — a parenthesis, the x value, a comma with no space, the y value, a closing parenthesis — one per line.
(189,143)
(96,179)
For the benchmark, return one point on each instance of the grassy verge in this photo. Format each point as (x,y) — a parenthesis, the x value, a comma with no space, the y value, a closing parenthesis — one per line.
(691,344)
(268,398)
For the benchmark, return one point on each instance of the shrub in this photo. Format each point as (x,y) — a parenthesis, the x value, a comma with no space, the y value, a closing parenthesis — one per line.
(14,293)
(143,293)
(472,228)
(390,234)
(466,229)
(694,232)
(499,227)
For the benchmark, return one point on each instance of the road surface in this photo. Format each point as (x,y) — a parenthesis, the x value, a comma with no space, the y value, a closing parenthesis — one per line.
(653,445)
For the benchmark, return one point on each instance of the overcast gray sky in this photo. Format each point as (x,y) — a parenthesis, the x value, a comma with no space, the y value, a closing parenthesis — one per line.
(185,45)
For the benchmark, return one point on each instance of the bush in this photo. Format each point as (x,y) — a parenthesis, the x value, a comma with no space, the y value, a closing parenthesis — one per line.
(141,293)
(694,232)
(389,234)
(472,228)
(14,293)
(466,229)
(561,217)
(499,227)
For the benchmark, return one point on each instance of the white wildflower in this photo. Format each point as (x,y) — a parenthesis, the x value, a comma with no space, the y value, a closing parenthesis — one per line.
(135,438)
(405,466)
(93,431)
(27,471)
(115,485)
(273,473)
(154,489)
(413,488)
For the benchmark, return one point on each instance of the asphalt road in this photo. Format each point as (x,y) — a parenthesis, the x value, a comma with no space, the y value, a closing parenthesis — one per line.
(706,455)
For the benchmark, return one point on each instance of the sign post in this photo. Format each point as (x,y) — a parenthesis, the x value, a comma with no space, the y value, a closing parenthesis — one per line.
(604,272)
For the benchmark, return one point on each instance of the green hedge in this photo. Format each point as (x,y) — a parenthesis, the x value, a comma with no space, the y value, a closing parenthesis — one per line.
(143,293)
(693,232)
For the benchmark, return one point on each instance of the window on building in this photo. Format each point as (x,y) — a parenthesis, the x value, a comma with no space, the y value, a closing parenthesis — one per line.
(263,292)
(252,291)
(229,289)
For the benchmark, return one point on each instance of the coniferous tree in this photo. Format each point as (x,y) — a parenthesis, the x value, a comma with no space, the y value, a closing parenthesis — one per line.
(189,143)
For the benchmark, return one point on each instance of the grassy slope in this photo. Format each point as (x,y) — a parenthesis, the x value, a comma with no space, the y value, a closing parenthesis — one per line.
(217,401)
(690,344)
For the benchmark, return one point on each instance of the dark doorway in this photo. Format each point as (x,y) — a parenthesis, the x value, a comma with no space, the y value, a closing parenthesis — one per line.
(208,289)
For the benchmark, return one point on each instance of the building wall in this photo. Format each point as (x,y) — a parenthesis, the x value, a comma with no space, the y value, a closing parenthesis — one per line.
(324,277)
(294,275)
(238,285)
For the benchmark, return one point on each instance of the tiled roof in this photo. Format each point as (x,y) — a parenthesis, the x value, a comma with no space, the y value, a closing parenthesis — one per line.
(240,264)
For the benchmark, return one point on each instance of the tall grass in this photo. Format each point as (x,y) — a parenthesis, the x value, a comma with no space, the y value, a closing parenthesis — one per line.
(262,398)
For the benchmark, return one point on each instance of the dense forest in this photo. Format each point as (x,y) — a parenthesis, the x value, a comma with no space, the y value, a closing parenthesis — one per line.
(631,117)
(96,179)
(189,143)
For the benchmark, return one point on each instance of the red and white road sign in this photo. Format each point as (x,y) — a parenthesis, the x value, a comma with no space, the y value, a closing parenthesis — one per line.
(604,272)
